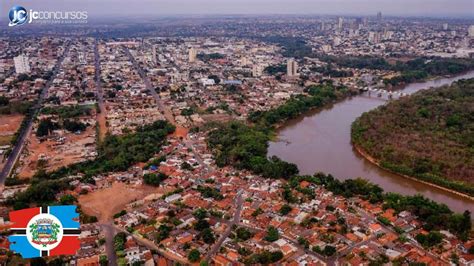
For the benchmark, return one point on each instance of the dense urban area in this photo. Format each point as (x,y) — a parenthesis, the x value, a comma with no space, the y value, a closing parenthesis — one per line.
(160,136)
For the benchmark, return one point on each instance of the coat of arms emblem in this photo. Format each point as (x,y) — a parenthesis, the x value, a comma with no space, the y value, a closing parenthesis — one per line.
(44,232)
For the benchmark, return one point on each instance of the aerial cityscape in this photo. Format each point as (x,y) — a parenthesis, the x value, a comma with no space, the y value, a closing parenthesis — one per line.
(284,137)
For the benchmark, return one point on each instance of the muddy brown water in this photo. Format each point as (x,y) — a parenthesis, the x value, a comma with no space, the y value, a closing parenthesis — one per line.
(321,141)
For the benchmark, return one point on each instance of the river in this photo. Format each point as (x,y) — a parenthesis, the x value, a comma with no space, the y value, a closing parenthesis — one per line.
(320,141)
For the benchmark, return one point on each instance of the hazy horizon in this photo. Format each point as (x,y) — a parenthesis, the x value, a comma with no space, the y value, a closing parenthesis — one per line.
(150,8)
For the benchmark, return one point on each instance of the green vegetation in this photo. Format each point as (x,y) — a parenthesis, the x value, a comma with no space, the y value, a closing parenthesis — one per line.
(292,46)
(119,241)
(120,214)
(47,126)
(411,71)
(330,71)
(272,234)
(116,153)
(434,216)
(154,179)
(65,112)
(208,57)
(8,107)
(285,209)
(431,239)
(209,192)
(444,155)
(275,69)
(263,258)
(194,255)
(245,147)
(40,192)
(242,234)
(316,96)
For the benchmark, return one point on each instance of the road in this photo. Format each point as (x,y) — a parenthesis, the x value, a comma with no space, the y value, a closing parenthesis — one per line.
(166,111)
(100,92)
(17,149)
(109,232)
(236,220)
(152,246)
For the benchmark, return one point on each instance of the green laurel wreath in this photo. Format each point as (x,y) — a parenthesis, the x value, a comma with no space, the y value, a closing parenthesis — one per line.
(54,232)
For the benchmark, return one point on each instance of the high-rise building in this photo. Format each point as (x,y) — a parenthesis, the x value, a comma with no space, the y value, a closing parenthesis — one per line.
(291,68)
(471,31)
(257,70)
(340,22)
(445,26)
(379,16)
(22,64)
(154,54)
(192,54)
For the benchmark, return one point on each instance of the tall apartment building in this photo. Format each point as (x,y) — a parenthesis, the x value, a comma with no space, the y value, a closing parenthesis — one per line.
(292,68)
(22,64)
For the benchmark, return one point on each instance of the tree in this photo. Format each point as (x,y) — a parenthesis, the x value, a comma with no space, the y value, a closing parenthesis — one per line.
(272,234)
(431,239)
(201,225)
(103,260)
(329,250)
(67,199)
(45,127)
(208,236)
(4,101)
(119,241)
(200,214)
(163,232)
(194,255)
(154,179)
(243,233)
(285,209)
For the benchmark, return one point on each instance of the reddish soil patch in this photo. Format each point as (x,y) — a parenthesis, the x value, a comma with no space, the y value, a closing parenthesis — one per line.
(57,155)
(9,124)
(180,132)
(104,203)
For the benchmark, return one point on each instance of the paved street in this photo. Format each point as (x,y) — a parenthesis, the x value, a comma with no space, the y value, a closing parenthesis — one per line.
(18,148)
(235,220)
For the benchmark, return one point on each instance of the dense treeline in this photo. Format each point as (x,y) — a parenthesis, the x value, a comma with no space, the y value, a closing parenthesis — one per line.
(26,108)
(434,216)
(429,135)
(275,69)
(411,71)
(331,72)
(47,126)
(316,96)
(292,46)
(245,147)
(65,112)
(9,107)
(116,153)
(207,57)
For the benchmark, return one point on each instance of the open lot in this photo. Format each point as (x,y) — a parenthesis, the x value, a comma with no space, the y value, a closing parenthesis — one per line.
(9,124)
(104,203)
(58,153)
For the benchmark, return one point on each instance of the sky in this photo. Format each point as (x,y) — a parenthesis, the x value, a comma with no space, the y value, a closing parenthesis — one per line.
(149,8)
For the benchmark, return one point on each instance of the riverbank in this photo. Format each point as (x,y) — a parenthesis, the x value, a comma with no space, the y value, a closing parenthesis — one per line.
(320,141)
(375,162)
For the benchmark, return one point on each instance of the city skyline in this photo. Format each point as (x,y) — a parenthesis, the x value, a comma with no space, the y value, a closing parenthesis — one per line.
(147,8)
